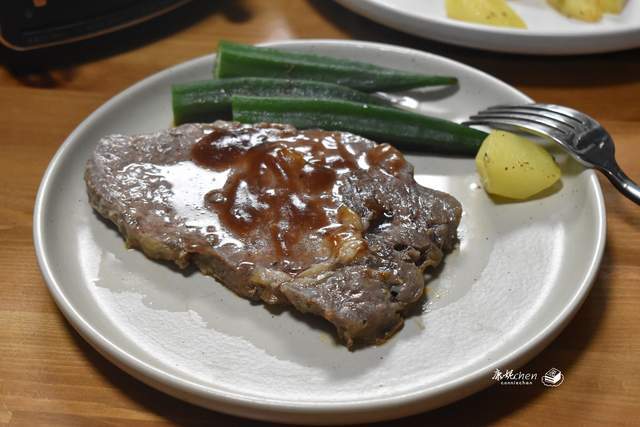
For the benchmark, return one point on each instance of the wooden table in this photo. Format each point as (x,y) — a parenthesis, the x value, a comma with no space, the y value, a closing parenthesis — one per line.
(50,376)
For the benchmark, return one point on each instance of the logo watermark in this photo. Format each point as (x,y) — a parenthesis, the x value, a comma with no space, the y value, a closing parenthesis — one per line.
(552,378)
(514,378)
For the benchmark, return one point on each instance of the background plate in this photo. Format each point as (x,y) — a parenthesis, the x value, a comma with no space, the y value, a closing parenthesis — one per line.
(548,31)
(520,273)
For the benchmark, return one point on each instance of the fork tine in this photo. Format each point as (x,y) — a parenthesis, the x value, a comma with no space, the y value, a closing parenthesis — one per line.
(569,113)
(565,111)
(550,115)
(527,118)
(510,124)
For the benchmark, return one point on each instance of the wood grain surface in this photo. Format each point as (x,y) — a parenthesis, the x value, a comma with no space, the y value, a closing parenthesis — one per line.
(50,376)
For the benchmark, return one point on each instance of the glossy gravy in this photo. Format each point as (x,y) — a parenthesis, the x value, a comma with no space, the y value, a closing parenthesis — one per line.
(287,187)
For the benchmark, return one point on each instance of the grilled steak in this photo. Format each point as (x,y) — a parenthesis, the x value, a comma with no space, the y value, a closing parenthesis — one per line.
(329,222)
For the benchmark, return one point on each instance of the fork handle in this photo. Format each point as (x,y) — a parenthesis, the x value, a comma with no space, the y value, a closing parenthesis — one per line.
(623,183)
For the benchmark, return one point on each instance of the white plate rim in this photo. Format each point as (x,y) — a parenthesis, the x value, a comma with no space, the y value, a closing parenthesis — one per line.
(582,42)
(238,404)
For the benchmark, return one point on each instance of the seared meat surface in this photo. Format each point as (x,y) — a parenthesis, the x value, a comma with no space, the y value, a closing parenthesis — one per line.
(329,222)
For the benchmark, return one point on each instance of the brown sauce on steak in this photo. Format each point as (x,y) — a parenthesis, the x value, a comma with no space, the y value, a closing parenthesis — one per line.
(285,188)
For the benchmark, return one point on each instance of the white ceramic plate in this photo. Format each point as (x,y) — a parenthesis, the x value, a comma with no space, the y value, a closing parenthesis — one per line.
(520,273)
(548,31)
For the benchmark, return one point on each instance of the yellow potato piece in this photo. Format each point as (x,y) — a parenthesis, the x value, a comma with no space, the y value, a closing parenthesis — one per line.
(489,12)
(515,167)
(584,10)
(613,6)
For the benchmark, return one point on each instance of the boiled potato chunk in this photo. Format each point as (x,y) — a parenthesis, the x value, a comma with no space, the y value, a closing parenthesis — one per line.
(514,167)
(490,12)
(613,6)
(585,10)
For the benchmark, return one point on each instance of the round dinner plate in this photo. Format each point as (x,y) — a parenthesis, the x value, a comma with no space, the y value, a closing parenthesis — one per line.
(548,31)
(519,274)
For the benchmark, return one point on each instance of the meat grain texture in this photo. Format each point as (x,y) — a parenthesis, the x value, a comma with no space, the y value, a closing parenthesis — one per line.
(328,222)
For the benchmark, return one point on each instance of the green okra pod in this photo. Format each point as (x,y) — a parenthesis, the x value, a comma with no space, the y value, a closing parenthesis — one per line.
(405,129)
(238,60)
(209,100)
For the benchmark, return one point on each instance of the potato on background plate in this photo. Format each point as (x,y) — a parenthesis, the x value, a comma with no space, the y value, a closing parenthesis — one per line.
(490,12)
(613,6)
(499,13)
(587,10)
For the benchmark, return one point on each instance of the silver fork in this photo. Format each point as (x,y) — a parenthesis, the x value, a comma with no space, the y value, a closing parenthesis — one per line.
(583,137)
